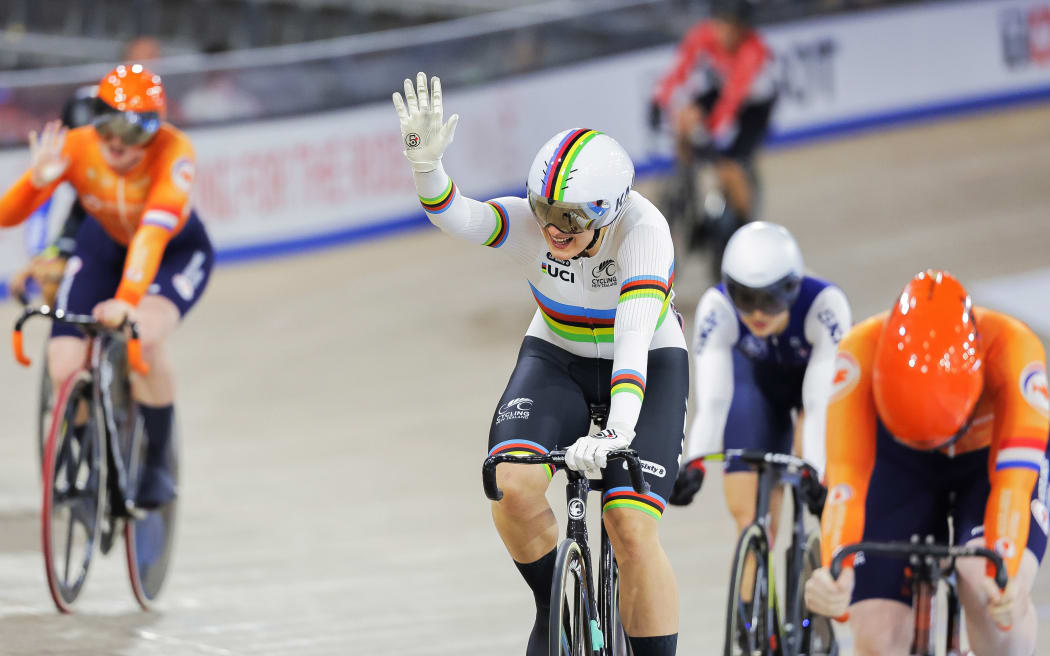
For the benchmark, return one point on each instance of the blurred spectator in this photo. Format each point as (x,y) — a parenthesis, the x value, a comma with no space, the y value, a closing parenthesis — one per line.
(143,48)
(219,98)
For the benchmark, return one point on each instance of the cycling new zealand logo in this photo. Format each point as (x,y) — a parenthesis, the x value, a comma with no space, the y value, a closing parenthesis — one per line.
(514,409)
(604,275)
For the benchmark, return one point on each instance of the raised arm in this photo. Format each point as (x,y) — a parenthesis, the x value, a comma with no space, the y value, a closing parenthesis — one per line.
(50,159)
(425,138)
(827,322)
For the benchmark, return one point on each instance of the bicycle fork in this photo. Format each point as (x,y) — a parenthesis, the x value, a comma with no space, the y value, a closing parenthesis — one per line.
(576,506)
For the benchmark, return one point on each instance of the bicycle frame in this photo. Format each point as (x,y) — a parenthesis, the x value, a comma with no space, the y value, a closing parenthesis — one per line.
(96,333)
(927,571)
(776,470)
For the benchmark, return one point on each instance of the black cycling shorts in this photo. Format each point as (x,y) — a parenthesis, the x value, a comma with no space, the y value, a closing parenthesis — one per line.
(546,407)
(752,124)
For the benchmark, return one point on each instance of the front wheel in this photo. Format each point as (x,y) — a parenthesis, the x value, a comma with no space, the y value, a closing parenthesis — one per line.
(573,629)
(74,481)
(750,626)
(818,634)
(612,628)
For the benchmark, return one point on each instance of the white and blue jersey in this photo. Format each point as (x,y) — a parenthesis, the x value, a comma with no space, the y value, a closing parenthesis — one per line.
(746,386)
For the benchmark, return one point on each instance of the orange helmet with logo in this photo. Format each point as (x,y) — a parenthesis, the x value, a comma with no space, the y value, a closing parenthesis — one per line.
(928,363)
(132,105)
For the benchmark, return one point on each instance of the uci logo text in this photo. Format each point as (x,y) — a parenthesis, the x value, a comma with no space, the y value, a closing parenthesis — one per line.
(555,272)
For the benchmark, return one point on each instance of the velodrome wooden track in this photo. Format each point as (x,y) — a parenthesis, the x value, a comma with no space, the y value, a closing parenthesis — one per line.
(335,407)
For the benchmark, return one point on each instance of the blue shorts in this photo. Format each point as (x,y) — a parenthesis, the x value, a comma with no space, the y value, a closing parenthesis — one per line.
(913,493)
(94,271)
(760,413)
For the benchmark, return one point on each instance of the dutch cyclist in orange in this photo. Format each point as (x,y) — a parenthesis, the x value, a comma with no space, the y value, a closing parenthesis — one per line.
(142,254)
(937,405)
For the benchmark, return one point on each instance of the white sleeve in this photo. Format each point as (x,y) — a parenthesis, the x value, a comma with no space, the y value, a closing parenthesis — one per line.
(645,259)
(502,223)
(715,332)
(827,321)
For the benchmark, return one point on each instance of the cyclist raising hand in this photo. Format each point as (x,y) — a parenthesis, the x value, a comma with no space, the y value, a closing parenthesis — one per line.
(600,265)
(141,254)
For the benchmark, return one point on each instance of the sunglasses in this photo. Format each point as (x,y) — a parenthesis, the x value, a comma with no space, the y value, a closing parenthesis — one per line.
(133,129)
(770,300)
(570,218)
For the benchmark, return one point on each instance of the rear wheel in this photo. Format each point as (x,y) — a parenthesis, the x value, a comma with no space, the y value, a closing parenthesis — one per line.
(750,626)
(74,482)
(818,634)
(572,630)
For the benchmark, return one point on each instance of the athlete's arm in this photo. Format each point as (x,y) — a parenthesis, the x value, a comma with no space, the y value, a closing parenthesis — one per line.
(50,156)
(1016,372)
(850,441)
(827,321)
(750,60)
(714,334)
(690,49)
(165,212)
(646,260)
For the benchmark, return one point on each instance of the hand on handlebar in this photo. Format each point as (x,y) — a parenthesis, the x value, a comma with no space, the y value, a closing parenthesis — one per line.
(589,454)
(827,596)
(423,134)
(113,313)
(46,271)
(689,481)
(1007,606)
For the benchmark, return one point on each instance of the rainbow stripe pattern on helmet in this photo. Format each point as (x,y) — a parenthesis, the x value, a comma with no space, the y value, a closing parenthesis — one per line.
(523,448)
(625,497)
(559,169)
(575,323)
(628,381)
(442,201)
(499,233)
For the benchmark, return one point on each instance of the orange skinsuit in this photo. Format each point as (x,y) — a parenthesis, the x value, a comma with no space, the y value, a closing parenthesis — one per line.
(141,209)
(1010,417)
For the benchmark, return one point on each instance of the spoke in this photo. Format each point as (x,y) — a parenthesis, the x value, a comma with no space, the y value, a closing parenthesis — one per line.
(69,543)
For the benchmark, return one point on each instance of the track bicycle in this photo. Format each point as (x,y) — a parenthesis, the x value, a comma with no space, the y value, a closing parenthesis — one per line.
(580,624)
(756,623)
(93,458)
(929,564)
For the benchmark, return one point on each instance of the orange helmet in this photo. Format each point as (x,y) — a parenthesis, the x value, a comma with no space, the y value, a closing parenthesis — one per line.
(133,88)
(927,375)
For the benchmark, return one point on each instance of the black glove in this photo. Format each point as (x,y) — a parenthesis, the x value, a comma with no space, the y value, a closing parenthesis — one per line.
(655,114)
(813,494)
(688,483)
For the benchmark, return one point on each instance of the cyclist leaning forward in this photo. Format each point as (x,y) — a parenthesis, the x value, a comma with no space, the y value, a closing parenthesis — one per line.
(600,266)
(764,347)
(939,409)
(141,254)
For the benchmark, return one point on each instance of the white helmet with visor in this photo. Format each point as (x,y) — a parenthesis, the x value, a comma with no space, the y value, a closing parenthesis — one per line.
(579,180)
(762,268)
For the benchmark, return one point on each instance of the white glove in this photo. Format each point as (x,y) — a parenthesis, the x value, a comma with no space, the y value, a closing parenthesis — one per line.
(422,133)
(589,453)
(827,596)
(48,163)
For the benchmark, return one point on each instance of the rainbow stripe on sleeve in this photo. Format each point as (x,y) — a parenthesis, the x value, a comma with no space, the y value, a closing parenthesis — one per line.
(523,448)
(499,234)
(575,323)
(629,381)
(442,201)
(625,497)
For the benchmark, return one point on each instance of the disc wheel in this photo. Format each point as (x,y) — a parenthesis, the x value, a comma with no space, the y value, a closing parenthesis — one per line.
(818,633)
(74,481)
(571,619)
(750,626)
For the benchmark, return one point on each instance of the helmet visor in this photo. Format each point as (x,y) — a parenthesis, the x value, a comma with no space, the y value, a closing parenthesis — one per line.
(571,218)
(132,128)
(769,300)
